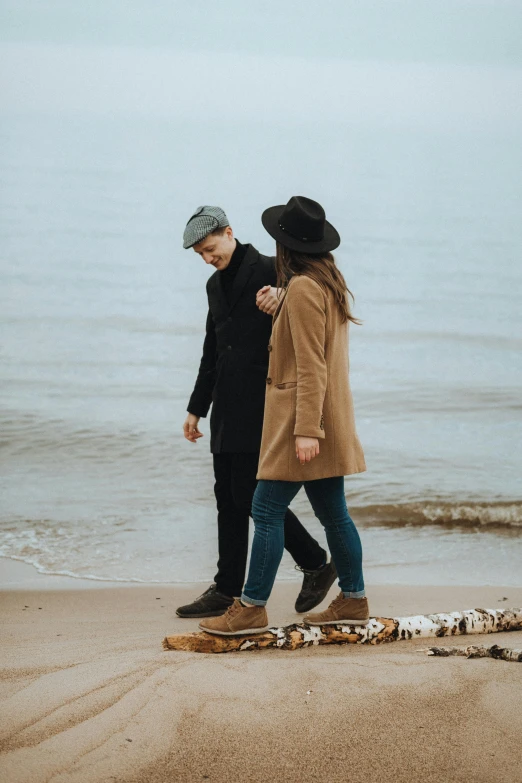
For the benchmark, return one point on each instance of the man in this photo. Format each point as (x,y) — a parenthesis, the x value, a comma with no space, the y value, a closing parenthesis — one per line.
(232,377)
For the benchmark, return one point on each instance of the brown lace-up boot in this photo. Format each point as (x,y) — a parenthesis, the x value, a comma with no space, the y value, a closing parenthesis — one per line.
(237,621)
(348,611)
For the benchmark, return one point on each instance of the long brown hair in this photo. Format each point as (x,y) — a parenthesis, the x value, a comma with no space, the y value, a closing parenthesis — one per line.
(322,268)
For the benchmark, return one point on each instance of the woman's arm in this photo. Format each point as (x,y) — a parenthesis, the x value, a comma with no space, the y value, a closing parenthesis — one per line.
(306,305)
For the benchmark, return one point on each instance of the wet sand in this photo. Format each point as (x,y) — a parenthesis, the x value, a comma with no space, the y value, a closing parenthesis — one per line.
(89,695)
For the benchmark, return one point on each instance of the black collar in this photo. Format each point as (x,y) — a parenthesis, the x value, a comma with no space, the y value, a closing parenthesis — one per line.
(231,270)
(246,268)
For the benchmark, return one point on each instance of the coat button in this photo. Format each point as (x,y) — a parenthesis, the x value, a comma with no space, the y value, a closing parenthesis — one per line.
(229,318)
(269,380)
(229,347)
(269,347)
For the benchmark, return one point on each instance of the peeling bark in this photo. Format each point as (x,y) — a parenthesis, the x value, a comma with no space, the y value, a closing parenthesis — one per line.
(377,631)
(500,653)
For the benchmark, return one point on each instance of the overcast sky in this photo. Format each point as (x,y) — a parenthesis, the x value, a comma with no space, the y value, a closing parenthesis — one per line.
(416,62)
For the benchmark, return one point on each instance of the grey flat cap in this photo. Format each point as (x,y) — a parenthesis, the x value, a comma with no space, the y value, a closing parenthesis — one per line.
(203,222)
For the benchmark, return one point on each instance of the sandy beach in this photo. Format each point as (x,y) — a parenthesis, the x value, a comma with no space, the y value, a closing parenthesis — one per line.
(89,695)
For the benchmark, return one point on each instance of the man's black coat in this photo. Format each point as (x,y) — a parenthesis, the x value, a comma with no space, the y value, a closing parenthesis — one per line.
(233,369)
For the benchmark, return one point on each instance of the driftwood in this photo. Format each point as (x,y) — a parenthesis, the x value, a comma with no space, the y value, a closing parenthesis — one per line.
(378,630)
(500,653)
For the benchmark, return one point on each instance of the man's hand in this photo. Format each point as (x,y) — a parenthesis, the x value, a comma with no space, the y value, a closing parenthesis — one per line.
(190,428)
(306,449)
(267,299)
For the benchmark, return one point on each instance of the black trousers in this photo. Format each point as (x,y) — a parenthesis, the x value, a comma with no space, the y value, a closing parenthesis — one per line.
(235,485)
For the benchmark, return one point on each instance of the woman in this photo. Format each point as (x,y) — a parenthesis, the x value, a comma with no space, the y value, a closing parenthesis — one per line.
(309,435)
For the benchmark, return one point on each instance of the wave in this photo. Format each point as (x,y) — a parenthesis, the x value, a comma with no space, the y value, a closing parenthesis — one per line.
(470,515)
(30,434)
(102,552)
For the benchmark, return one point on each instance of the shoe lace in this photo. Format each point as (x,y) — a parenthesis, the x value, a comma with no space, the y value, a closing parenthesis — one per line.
(303,570)
(211,589)
(234,608)
(337,601)
(310,576)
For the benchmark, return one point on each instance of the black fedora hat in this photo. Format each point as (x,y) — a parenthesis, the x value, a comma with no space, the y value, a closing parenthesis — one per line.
(301,225)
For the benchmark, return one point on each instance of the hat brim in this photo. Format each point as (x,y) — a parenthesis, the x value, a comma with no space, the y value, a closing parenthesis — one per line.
(270,220)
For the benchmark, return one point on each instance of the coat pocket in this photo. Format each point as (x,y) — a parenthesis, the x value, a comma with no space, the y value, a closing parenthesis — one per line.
(279,420)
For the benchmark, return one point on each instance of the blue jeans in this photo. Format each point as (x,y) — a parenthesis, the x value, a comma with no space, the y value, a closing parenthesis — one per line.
(271,499)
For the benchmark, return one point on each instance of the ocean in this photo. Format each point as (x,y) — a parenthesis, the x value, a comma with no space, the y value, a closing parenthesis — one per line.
(102,319)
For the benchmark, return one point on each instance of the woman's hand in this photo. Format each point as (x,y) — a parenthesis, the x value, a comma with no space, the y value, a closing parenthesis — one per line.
(306,449)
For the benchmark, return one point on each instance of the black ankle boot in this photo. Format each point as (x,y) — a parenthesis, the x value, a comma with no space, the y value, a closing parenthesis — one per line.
(316,585)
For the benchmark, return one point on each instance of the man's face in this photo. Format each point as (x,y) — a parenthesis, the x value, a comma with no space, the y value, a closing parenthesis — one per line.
(217,249)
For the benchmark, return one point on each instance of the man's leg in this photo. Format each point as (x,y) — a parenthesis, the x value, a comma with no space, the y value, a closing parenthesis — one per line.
(232,547)
(233,522)
(312,560)
(306,551)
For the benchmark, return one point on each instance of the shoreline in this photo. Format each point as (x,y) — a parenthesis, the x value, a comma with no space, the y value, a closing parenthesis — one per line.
(18,575)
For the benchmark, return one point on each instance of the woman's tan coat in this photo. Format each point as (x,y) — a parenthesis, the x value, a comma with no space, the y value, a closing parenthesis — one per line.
(308,391)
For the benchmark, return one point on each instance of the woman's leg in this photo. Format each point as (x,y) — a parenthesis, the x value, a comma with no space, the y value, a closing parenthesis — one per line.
(271,500)
(329,505)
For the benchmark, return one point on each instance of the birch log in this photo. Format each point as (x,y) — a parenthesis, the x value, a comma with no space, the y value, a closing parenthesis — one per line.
(378,630)
(500,653)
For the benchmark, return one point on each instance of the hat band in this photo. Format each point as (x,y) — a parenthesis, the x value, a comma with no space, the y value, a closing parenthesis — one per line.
(301,239)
